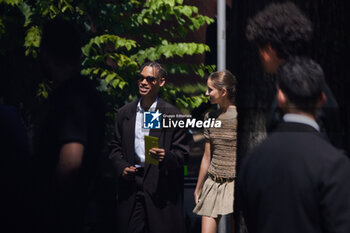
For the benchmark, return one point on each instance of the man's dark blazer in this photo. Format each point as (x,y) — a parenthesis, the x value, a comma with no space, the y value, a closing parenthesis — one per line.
(163,184)
(295,182)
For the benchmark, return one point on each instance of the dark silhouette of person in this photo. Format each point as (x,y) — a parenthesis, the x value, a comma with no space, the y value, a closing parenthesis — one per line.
(72,134)
(281,31)
(14,172)
(295,180)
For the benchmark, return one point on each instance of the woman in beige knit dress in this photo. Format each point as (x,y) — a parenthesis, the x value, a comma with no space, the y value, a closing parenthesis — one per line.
(215,186)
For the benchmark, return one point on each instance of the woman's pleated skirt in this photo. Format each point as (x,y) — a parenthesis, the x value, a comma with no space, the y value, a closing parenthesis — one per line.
(215,199)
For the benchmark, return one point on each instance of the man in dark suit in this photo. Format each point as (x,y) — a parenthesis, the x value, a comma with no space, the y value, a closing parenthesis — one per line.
(295,181)
(150,197)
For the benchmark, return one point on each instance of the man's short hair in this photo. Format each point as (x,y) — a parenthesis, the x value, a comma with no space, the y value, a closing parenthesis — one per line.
(301,80)
(283,26)
(161,72)
(61,40)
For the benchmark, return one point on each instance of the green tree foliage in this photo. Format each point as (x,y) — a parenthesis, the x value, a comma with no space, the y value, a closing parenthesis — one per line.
(119,36)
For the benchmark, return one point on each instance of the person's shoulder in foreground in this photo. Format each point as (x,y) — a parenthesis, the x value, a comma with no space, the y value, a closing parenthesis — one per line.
(295,181)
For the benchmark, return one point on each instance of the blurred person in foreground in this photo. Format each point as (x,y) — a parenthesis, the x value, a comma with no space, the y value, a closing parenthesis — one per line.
(15,172)
(72,134)
(295,181)
(281,31)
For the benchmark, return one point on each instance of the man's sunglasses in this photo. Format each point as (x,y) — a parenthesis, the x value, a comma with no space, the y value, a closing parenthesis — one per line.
(149,79)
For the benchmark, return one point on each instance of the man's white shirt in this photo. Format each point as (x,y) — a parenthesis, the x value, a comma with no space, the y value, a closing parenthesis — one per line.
(297,118)
(140,132)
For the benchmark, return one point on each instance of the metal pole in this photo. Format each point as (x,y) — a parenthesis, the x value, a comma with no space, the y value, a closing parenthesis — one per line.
(221,34)
(221,56)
